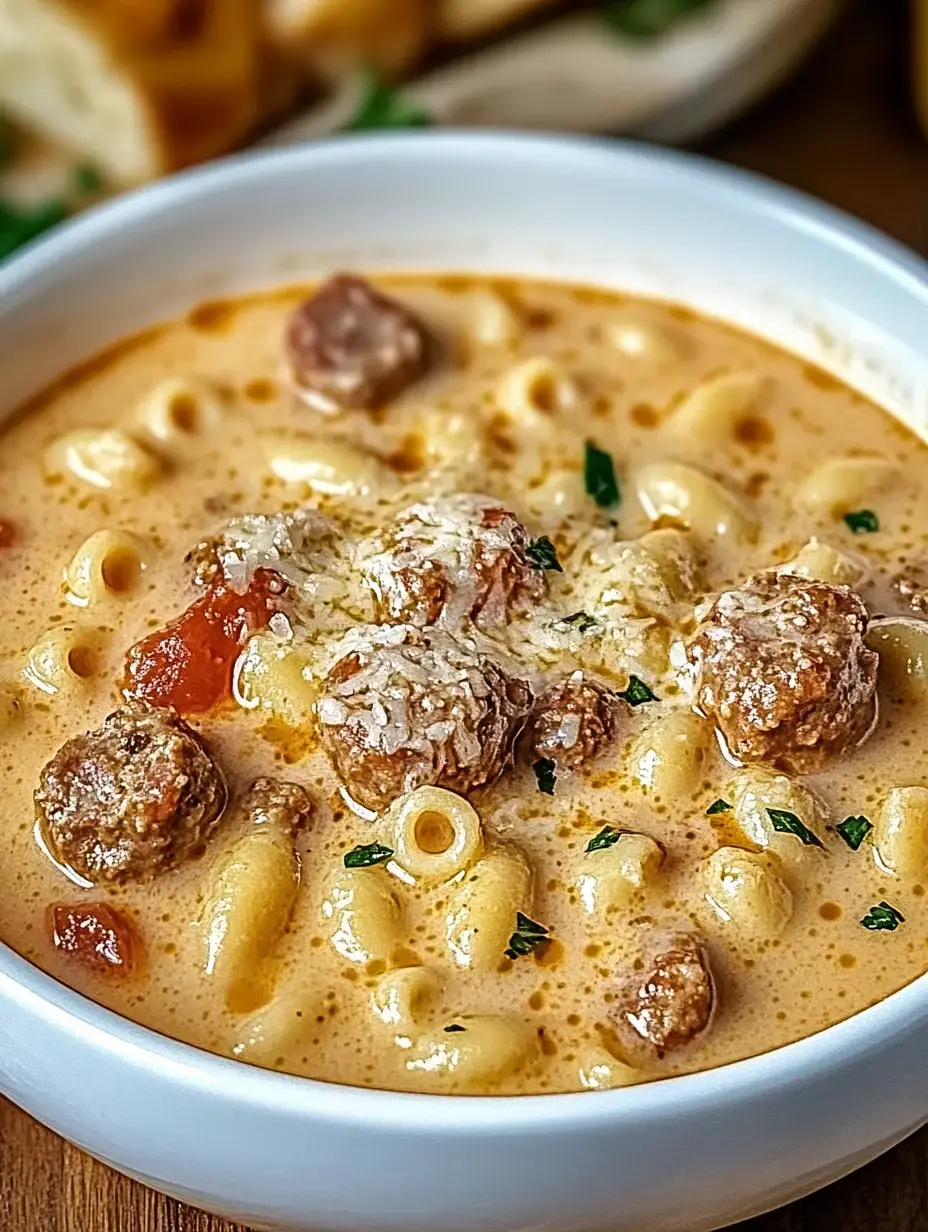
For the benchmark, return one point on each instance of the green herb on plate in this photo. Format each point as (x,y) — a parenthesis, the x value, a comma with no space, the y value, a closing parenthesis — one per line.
(883,919)
(599,477)
(649,19)
(366,855)
(527,937)
(718,806)
(637,692)
(580,621)
(788,823)
(381,106)
(854,830)
(542,554)
(546,774)
(862,522)
(607,837)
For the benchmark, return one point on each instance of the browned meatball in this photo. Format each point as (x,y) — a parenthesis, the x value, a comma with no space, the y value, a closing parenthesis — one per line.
(667,1001)
(277,802)
(134,798)
(784,670)
(573,722)
(449,560)
(412,708)
(349,347)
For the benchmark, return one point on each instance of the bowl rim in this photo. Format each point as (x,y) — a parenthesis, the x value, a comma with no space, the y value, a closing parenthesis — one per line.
(842,1045)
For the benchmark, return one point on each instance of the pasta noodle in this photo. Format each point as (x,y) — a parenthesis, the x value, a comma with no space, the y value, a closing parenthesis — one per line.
(900,836)
(481,913)
(670,755)
(711,413)
(435,834)
(902,644)
(248,902)
(494,324)
(486,1048)
(270,674)
(286,1023)
(612,877)
(824,563)
(402,997)
(64,660)
(178,411)
(755,791)
(599,1070)
(687,496)
(744,890)
(843,484)
(329,467)
(362,915)
(105,458)
(108,565)
(536,389)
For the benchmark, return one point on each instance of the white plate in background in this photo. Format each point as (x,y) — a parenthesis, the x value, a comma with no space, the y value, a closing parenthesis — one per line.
(574,75)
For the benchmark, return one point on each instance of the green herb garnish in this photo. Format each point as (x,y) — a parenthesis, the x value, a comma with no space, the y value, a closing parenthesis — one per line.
(546,774)
(454,1026)
(789,823)
(863,522)
(579,621)
(381,106)
(854,830)
(607,837)
(366,855)
(599,477)
(718,806)
(883,918)
(527,937)
(543,554)
(20,224)
(649,19)
(637,692)
(87,180)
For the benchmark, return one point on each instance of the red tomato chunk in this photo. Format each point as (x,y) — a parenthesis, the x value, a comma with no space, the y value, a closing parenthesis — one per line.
(8,533)
(101,938)
(188,664)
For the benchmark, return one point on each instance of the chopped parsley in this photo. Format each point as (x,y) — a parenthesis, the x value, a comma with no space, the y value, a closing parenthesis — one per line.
(718,806)
(599,477)
(883,918)
(854,830)
(607,837)
(527,937)
(546,774)
(863,522)
(87,180)
(543,554)
(20,224)
(366,855)
(452,1027)
(580,621)
(637,692)
(380,106)
(788,823)
(649,19)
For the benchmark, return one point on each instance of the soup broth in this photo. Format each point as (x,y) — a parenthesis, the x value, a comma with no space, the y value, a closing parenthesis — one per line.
(609,858)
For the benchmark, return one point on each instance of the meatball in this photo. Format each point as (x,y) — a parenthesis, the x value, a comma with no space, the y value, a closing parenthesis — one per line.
(784,670)
(349,347)
(412,708)
(276,802)
(573,722)
(667,1001)
(134,798)
(458,558)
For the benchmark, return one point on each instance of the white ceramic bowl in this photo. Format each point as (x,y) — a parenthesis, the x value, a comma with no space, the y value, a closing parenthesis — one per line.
(685,1154)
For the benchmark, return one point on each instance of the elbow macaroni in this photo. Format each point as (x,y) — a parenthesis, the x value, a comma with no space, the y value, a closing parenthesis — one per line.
(248,903)
(599,1070)
(535,390)
(843,484)
(754,791)
(64,660)
(744,890)
(271,675)
(902,644)
(489,1048)
(287,1022)
(669,756)
(493,323)
(401,998)
(611,877)
(362,915)
(106,458)
(900,835)
(481,913)
(434,833)
(178,411)
(108,565)
(329,467)
(710,414)
(823,563)
(689,497)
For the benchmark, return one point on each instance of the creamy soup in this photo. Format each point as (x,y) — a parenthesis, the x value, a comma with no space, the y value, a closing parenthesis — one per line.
(575,643)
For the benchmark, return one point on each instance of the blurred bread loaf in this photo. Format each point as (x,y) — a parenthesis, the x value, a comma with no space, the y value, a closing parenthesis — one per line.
(461,20)
(137,87)
(332,37)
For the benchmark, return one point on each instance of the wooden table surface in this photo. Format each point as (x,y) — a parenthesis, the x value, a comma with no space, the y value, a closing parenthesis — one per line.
(843,130)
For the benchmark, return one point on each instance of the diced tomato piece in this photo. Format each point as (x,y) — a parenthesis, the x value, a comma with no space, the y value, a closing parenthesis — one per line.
(188,664)
(8,533)
(102,938)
